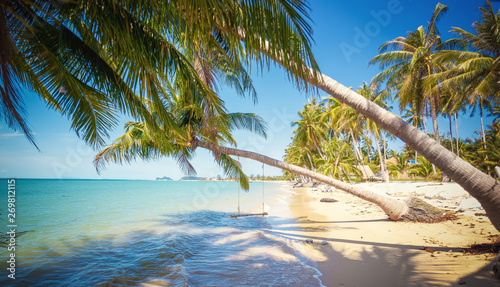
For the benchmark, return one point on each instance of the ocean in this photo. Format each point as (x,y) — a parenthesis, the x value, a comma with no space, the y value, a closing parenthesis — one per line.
(148,233)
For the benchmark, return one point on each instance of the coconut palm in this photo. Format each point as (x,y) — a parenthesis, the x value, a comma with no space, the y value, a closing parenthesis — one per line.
(401,166)
(309,130)
(345,120)
(141,142)
(476,69)
(478,184)
(87,59)
(339,159)
(407,61)
(372,93)
(286,45)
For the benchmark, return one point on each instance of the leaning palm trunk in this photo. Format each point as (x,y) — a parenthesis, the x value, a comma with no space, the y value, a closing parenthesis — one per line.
(395,209)
(480,185)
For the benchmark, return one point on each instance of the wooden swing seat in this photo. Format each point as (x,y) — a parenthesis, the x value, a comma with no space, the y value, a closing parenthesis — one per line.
(250,214)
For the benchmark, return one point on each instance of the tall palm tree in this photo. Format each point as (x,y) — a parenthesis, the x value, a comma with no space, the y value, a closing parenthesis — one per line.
(372,93)
(480,185)
(309,130)
(407,61)
(339,159)
(476,69)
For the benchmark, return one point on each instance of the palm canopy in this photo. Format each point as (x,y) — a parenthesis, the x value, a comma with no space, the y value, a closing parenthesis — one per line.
(110,54)
(310,130)
(407,61)
(477,66)
(140,141)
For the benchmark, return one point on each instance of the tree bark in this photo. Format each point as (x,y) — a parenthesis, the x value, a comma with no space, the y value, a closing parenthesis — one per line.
(435,127)
(483,136)
(456,132)
(383,168)
(451,135)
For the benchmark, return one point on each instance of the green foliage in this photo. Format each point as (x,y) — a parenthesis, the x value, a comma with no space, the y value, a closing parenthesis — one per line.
(329,135)
(110,55)
(423,168)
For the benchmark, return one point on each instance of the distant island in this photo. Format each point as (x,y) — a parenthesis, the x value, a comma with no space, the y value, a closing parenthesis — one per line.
(163,178)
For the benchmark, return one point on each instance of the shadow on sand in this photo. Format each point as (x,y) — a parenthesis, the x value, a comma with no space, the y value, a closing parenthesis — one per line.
(366,263)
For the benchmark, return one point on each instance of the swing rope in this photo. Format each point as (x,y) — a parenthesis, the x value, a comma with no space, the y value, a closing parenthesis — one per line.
(263,197)
(239,194)
(263,188)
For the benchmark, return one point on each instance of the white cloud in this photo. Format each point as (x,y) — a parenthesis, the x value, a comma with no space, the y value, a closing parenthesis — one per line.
(14,134)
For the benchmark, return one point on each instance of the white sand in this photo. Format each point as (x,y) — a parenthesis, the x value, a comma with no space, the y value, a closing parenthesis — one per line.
(366,249)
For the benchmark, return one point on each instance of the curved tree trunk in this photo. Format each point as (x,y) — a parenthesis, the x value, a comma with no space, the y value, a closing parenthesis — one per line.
(395,209)
(481,186)
(478,184)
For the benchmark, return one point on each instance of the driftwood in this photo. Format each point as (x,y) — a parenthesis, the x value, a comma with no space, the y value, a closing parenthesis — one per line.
(328,200)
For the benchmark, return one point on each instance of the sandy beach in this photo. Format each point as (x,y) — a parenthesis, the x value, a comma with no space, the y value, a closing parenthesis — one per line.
(365,248)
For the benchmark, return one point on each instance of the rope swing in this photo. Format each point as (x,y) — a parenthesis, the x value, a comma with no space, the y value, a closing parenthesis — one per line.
(251,214)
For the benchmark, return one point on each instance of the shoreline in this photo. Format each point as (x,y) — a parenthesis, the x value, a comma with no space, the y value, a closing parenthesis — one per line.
(365,248)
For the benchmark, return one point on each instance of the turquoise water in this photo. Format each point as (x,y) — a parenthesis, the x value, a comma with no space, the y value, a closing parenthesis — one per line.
(149,233)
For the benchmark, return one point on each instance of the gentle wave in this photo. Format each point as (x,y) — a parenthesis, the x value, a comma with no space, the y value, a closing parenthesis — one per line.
(126,233)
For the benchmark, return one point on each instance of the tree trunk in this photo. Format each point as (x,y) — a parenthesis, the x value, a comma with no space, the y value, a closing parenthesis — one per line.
(357,154)
(394,208)
(480,185)
(451,136)
(483,136)
(435,127)
(425,125)
(456,132)
(383,168)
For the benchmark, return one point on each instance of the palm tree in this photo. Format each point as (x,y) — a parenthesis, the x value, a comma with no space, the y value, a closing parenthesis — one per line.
(310,131)
(372,93)
(478,184)
(141,142)
(339,159)
(345,120)
(266,44)
(476,69)
(401,167)
(408,61)
(87,59)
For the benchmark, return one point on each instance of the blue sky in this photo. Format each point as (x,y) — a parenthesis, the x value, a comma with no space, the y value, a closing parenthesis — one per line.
(347,35)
